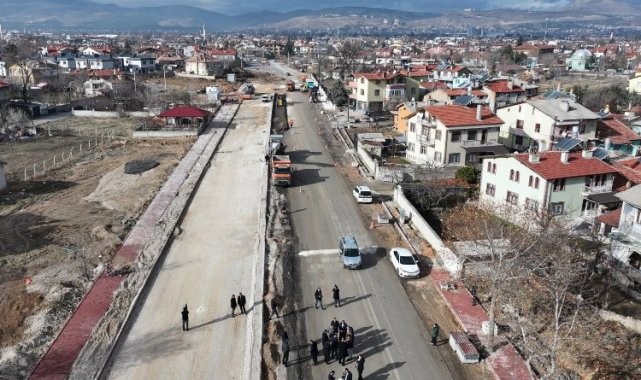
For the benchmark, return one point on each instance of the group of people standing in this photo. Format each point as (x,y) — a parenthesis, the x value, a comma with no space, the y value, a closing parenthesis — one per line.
(235,302)
(318,297)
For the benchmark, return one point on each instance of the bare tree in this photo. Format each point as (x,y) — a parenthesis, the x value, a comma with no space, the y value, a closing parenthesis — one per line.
(348,53)
(508,250)
(23,56)
(148,96)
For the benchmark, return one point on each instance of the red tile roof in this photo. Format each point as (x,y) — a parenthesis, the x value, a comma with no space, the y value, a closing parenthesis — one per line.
(463,91)
(502,87)
(376,75)
(434,85)
(618,132)
(185,111)
(550,166)
(460,116)
(611,218)
(4,84)
(630,168)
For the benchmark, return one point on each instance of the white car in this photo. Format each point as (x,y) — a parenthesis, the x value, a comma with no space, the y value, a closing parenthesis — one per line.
(404,262)
(362,194)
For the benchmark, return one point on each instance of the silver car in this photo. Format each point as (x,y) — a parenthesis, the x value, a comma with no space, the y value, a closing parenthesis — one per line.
(350,253)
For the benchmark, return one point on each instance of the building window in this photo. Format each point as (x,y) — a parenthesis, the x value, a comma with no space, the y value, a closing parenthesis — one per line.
(559,185)
(511,174)
(378,82)
(437,135)
(531,204)
(536,182)
(512,198)
(556,208)
(519,124)
(362,81)
(410,147)
(537,127)
(437,156)
(412,127)
(517,176)
(530,182)
(493,168)
(581,128)
(489,167)
(412,90)
(362,92)
(519,108)
(377,92)
(456,136)
(518,140)
(490,189)
(454,158)
(471,134)
(423,149)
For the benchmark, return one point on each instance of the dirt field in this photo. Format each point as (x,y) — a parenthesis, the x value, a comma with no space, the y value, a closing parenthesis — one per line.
(58,230)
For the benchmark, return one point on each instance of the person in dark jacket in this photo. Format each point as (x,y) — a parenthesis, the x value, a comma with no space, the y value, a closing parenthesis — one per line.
(347,374)
(334,325)
(326,350)
(434,334)
(333,345)
(350,345)
(318,297)
(233,304)
(241,302)
(332,375)
(342,348)
(313,351)
(285,349)
(185,316)
(274,305)
(360,366)
(336,294)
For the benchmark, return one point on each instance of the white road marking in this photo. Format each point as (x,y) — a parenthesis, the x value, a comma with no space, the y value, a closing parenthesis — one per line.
(319,252)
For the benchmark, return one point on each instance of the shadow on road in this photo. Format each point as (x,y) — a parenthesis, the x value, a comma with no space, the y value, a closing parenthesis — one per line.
(347,300)
(299,156)
(383,373)
(154,345)
(369,341)
(372,255)
(305,177)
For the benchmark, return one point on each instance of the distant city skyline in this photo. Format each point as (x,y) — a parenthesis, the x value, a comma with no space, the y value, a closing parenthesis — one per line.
(243,6)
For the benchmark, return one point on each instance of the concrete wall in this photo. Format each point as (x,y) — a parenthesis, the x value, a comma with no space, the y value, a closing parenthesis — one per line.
(628,322)
(93,113)
(367,160)
(164,134)
(3,179)
(451,262)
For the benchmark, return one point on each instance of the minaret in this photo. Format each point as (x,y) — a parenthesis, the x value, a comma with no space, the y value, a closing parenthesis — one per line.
(1,35)
(204,35)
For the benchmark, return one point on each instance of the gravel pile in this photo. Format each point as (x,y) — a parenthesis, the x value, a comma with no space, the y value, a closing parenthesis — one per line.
(140,166)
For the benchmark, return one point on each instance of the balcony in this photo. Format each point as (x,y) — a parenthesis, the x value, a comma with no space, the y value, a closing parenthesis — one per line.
(428,122)
(426,141)
(469,143)
(595,189)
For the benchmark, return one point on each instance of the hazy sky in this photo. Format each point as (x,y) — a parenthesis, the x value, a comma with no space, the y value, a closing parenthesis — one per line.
(240,6)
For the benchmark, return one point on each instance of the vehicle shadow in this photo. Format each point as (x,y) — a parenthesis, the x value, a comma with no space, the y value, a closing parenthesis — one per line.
(305,177)
(372,255)
(302,155)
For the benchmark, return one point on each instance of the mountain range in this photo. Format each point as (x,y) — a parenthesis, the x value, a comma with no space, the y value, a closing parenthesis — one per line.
(85,15)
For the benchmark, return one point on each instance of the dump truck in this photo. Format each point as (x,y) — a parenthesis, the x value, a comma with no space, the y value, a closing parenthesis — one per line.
(291,86)
(276,145)
(281,170)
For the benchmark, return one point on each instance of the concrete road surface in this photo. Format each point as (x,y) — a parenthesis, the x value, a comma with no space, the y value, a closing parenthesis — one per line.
(388,331)
(213,258)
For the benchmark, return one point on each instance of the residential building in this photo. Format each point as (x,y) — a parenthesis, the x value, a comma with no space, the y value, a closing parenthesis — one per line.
(414,76)
(402,114)
(139,64)
(534,50)
(377,91)
(569,185)
(634,83)
(3,69)
(503,93)
(617,137)
(541,122)
(626,239)
(452,135)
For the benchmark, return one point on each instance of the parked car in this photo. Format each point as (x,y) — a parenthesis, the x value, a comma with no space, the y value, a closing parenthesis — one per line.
(404,262)
(362,194)
(350,253)
(265,98)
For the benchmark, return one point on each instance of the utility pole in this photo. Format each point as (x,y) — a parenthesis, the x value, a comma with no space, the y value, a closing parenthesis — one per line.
(164,75)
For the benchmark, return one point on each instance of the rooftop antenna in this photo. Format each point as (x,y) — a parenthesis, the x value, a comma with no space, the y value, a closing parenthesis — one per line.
(545,37)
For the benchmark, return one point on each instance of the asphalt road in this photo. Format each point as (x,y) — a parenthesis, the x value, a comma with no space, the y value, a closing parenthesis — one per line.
(389,333)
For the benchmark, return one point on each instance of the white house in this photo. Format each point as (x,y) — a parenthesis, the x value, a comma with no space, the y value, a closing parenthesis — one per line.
(626,241)
(3,178)
(101,63)
(562,183)
(138,63)
(3,69)
(452,135)
(541,122)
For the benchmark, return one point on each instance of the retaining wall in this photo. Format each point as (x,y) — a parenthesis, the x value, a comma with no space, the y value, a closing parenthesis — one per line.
(94,113)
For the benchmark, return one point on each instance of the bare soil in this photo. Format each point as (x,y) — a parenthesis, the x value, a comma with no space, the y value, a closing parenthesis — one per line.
(60,229)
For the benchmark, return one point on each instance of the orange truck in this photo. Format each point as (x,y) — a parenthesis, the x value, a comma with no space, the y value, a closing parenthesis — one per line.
(291,86)
(281,170)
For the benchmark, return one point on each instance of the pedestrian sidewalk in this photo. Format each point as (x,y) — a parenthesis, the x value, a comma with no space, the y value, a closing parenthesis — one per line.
(505,363)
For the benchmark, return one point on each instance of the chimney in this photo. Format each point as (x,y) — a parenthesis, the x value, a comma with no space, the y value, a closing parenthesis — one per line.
(533,155)
(479,110)
(575,131)
(608,142)
(469,90)
(565,106)
(565,156)
(586,153)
